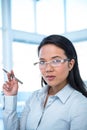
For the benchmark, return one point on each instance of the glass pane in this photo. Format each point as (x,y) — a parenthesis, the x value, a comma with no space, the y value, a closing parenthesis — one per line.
(23,15)
(24,55)
(76,15)
(50,16)
(81,48)
(0,15)
(1,64)
(1,82)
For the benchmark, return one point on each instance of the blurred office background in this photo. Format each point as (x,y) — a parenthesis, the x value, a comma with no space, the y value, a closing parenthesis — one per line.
(24,23)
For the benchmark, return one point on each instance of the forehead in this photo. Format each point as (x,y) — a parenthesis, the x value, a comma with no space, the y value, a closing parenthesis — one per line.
(51,50)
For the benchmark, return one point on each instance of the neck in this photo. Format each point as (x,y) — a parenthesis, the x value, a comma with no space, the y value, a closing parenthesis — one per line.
(55,89)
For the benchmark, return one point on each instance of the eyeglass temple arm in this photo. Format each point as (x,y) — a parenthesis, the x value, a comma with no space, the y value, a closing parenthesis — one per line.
(36,63)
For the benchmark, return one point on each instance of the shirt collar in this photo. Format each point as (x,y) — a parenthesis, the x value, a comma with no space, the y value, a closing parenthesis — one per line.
(65,93)
(42,92)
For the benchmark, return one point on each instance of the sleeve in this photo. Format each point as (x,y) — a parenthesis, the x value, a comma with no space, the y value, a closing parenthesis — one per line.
(10,118)
(79,116)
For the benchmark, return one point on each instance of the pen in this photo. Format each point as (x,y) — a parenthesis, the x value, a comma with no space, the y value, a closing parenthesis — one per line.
(13,76)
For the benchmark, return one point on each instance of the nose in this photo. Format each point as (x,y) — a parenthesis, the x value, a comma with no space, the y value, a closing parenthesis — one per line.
(48,67)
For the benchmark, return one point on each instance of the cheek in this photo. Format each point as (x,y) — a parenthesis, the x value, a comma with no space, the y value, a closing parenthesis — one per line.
(63,72)
(41,71)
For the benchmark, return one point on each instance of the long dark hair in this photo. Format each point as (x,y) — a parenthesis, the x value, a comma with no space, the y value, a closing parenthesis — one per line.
(74,78)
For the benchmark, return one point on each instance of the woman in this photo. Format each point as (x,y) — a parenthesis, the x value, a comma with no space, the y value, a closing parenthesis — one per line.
(61,103)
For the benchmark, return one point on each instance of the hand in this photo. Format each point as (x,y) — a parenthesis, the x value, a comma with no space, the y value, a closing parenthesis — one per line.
(10,87)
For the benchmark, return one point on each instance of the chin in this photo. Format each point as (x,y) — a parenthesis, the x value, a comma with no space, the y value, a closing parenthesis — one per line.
(50,84)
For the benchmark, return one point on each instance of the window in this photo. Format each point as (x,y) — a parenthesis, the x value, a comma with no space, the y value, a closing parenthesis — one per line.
(81,48)
(76,15)
(1,62)
(24,55)
(0,15)
(23,15)
(50,16)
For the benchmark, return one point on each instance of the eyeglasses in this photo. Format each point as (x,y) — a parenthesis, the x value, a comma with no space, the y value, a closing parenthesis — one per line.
(53,63)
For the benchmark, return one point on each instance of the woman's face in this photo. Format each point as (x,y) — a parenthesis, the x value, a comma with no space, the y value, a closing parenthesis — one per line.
(55,76)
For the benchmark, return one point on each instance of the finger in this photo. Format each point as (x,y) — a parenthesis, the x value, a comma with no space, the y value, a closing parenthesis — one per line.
(10,76)
(5,87)
(12,72)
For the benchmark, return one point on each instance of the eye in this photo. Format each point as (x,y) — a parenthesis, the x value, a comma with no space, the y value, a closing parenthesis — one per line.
(56,61)
(42,62)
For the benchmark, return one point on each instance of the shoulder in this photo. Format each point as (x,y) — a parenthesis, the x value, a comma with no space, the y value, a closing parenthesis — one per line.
(79,103)
(33,95)
(79,97)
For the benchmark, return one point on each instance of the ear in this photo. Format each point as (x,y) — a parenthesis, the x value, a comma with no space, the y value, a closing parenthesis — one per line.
(71,64)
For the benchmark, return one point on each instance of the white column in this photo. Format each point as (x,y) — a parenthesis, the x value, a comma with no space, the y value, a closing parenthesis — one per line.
(6,34)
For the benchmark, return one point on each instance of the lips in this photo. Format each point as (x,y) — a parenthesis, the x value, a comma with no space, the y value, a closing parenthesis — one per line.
(50,77)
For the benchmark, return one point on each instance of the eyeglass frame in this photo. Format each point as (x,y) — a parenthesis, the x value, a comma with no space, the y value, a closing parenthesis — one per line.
(52,61)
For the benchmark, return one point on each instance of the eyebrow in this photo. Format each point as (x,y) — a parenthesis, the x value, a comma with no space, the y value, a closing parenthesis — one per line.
(51,57)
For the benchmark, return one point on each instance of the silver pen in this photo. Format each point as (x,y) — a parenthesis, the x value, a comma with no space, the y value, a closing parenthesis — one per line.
(13,76)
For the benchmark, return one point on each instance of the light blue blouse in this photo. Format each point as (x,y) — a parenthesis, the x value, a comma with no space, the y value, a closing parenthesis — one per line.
(67,110)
